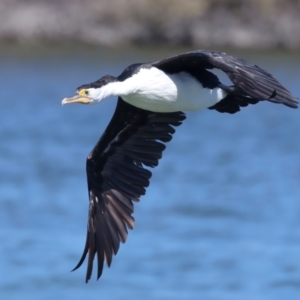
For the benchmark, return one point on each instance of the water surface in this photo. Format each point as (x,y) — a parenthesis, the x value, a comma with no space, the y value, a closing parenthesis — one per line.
(220,219)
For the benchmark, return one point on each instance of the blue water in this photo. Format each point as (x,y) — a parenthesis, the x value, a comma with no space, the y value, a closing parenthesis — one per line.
(220,219)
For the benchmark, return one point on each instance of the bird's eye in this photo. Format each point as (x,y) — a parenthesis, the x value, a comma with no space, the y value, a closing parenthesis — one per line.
(86,92)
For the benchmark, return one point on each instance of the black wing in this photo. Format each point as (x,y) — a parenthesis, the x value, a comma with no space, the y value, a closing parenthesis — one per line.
(116,176)
(251,83)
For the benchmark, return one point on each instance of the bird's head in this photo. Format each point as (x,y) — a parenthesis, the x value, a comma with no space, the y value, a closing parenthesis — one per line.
(93,92)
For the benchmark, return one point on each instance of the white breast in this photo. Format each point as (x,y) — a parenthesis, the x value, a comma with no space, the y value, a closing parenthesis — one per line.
(154,90)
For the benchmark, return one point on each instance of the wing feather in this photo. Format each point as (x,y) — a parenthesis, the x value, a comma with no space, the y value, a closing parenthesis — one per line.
(117,176)
(250,81)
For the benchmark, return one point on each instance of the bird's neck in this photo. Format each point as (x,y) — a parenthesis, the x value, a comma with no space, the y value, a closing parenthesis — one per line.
(118,88)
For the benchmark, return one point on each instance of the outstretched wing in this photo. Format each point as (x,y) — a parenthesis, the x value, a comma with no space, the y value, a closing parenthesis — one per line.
(250,81)
(116,176)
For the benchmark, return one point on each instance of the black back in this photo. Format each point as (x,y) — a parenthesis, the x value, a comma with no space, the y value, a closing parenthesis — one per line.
(250,83)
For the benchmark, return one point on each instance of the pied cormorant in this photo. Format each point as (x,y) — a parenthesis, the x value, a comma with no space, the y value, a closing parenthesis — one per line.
(151,99)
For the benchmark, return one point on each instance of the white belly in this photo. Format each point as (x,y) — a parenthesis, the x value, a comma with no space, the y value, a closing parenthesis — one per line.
(156,91)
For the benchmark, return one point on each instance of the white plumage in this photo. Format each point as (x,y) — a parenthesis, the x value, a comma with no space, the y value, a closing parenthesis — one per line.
(155,90)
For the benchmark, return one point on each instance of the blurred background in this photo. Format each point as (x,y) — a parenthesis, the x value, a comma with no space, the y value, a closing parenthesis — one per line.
(221,217)
(209,23)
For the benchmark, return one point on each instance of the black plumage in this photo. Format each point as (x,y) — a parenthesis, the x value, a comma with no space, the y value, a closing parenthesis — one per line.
(116,176)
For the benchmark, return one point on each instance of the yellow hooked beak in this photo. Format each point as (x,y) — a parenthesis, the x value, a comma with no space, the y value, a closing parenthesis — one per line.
(81,97)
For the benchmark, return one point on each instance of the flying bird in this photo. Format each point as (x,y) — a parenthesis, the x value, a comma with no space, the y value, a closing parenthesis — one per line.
(151,98)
